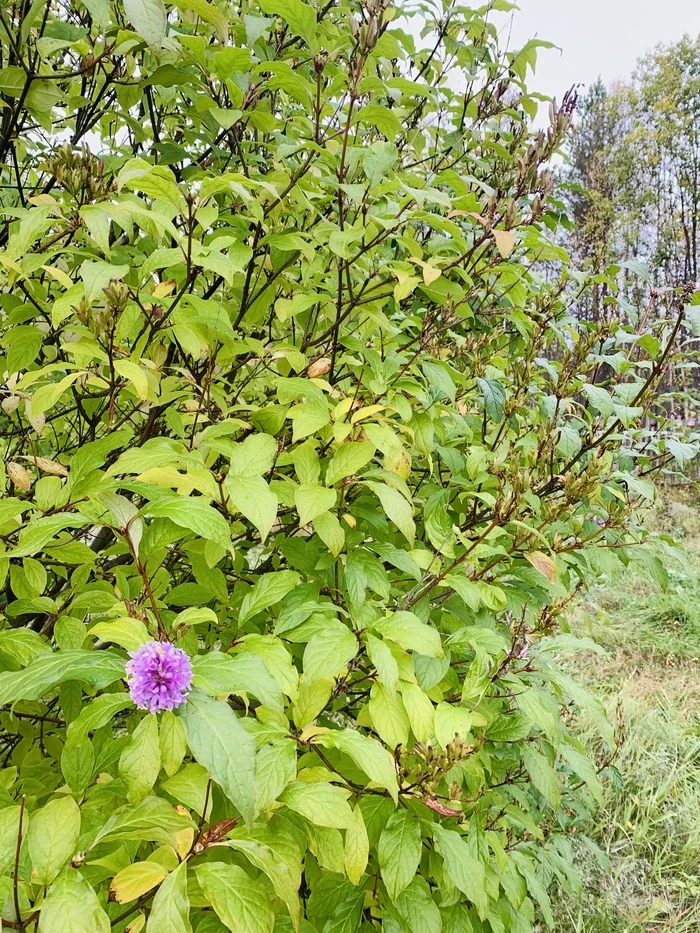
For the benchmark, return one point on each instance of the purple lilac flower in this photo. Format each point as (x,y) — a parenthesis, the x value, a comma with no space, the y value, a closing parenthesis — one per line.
(159,676)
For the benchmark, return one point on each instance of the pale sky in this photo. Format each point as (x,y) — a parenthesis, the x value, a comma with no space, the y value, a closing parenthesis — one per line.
(597,37)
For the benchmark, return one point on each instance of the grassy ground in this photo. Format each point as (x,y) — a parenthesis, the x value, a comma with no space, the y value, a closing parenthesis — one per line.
(649,825)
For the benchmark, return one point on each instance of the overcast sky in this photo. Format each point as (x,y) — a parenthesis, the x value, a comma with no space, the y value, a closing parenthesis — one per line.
(597,37)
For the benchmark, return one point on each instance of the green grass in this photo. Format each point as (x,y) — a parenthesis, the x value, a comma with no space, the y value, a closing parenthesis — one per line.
(649,823)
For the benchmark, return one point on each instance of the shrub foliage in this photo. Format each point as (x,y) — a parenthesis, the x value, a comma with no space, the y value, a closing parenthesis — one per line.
(291,380)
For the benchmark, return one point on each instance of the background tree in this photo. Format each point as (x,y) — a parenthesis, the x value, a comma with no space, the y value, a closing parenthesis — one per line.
(634,192)
(296,413)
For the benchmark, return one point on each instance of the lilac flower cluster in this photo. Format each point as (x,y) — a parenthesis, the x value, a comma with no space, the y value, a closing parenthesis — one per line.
(159,676)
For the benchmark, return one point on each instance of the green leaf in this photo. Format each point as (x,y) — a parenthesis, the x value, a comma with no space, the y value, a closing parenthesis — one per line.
(348,459)
(467,590)
(71,906)
(189,787)
(384,661)
(135,375)
(218,741)
(244,674)
(600,399)
(388,716)
(11,508)
(269,590)
(153,820)
(208,13)
(384,119)
(418,909)
(568,442)
(139,764)
(99,10)
(9,831)
(253,456)
(148,19)
(96,668)
(78,763)
(420,711)
(53,838)
(97,713)
(542,710)
(173,742)
(192,513)
(239,901)
(584,768)
(12,80)
(543,775)
(23,344)
(252,496)
(311,700)
(276,766)
(367,754)
(397,509)
(377,160)
(22,645)
(97,275)
(127,632)
(321,803)
(466,873)
(278,856)
(399,852)
(307,419)
(300,17)
(494,397)
(592,705)
(171,906)
(330,531)
(407,630)
(312,500)
(451,721)
(329,652)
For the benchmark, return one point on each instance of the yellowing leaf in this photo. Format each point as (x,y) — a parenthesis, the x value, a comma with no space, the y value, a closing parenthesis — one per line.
(163,289)
(366,412)
(134,880)
(135,375)
(59,275)
(356,847)
(407,287)
(430,273)
(127,632)
(544,564)
(505,241)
